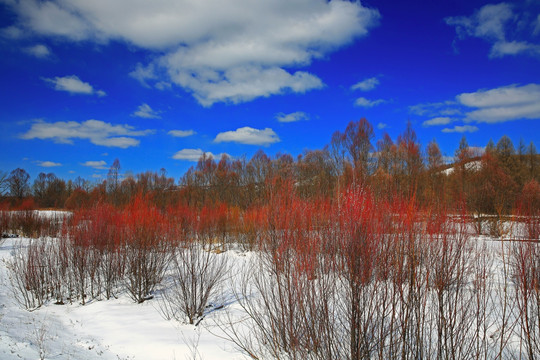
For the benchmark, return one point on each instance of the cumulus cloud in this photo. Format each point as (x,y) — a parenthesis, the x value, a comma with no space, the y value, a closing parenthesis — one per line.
(181,133)
(381,126)
(503,104)
(145,111)
(249,136)
(194,155)
(231,51)
(363,102)
(366,85)
(48,164)
(96,131)
(73,85)
(437,121)
(39,50)
(292,117)
(495,23)
(245,83)
(460,129)
(98,164)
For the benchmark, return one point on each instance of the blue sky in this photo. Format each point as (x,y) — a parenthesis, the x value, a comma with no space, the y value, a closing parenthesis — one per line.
(156,83)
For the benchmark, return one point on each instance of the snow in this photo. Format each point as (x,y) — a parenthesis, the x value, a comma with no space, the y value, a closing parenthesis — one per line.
(122,329)
(107,329)
(472,165)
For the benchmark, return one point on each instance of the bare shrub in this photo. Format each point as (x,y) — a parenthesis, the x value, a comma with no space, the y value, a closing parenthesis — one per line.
(289,316)
(28,273)
(196,274)
(526,274)
(145,267)
(451,270)
(41,336)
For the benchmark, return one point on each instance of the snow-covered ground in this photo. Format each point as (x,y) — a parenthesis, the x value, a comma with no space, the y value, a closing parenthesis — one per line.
(122,329)
(108,329)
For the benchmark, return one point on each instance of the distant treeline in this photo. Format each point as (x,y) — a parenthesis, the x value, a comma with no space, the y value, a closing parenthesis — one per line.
(498,180)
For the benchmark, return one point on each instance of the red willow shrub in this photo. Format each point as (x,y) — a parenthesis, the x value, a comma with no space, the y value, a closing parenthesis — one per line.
(368,278)
(148,244)
(111,249)
(95,239)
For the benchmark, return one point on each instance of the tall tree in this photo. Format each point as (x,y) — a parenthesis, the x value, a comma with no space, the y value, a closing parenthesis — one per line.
(410,159)
(113,181)
(490,147)
(19,183)
(435,187)
(357,140)
(4,185)
(506,155)
(434,156)
(113,177)
(532,162)
(462,169)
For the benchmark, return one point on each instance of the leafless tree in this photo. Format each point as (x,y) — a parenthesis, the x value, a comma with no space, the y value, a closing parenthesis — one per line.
(19,183)
(4,184)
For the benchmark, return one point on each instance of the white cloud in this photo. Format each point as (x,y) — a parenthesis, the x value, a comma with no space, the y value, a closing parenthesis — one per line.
(193,155)
(495,23)
(74,85)
(181,133)
(381,126)
(292,117)
(363,102)
(445,108)
(96,131)
(144,73)
(249,136)
(163,85)
(437,121)
(460,129)
(231,51)
(502,48)
(48,164)
(241,84)
(39,50)
(98,164)
(366,85)
(536,25)
(145,111)
(12,32)
(503,104)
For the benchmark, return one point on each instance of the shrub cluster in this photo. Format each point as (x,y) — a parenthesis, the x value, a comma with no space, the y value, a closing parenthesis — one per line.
(358,277)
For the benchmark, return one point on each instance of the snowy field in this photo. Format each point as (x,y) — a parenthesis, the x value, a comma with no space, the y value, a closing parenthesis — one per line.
(108,329)
(121,328)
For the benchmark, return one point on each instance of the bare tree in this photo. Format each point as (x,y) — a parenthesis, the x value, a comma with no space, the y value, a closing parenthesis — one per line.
(113,180)
(4,184)
(19,183)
